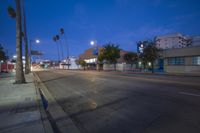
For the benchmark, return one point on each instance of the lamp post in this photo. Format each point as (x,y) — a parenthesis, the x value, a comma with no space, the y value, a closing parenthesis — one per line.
(32,41)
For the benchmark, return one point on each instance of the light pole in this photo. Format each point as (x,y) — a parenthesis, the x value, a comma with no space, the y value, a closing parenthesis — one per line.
(32,41)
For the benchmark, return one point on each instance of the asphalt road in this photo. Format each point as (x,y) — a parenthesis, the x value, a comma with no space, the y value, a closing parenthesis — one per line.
(100,102)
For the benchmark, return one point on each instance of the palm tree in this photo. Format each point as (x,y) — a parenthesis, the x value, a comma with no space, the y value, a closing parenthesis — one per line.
(62,32)
(27,65)
(61,47)
(57,39)
(19,65)
(11,12)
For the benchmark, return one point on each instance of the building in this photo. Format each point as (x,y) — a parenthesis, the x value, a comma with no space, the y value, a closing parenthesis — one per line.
(71,62)
(90,57)
(176,41)
(121,59)
(181,60)
(173,41)
(195,40)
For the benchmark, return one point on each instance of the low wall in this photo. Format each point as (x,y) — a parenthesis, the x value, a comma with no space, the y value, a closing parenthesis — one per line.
(119,67)
(183,69)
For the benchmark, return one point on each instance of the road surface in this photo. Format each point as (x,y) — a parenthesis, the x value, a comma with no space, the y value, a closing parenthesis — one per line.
(100,102)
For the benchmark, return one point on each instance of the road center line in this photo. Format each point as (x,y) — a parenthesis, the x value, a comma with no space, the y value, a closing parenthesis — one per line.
(190,94)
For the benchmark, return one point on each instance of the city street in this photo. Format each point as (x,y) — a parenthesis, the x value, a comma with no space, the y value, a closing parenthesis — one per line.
(111,102)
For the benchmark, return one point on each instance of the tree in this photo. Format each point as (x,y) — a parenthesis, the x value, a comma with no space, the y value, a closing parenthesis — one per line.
(62,32)
(101,57)
(81,62)
(110,54)
(150,54)
(57,39)
(12,13)
(27,65)
(131,58)
(19,65)
(100,60)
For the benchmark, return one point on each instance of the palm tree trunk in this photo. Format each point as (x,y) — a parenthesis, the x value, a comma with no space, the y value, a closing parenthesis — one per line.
(61,47)
(27,66)
(19,78)
(58,52)
(67,50)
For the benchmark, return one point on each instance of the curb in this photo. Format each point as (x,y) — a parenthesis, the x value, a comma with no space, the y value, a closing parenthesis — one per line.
(45,121)
(58,118)
(141,73)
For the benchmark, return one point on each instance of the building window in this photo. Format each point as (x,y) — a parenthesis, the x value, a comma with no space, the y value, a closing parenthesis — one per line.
(176,61)
(196,60)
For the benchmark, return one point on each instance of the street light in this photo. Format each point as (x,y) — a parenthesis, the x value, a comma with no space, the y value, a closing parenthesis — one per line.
(32,41)
(93,43)
(37,41)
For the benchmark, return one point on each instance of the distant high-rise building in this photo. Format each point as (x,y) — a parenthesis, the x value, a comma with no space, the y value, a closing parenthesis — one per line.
(195,40)
(172,41)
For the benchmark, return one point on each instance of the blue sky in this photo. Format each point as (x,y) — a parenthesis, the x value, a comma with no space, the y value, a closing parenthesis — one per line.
(123,22)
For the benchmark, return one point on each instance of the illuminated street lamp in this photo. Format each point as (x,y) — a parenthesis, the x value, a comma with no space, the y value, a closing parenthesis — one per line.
(37,41)
(93,43)
(32,41)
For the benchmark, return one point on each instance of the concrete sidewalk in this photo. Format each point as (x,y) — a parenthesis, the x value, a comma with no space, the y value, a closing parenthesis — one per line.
(20,109)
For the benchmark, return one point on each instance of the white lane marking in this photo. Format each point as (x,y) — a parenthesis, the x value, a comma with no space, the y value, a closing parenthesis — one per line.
(190,94)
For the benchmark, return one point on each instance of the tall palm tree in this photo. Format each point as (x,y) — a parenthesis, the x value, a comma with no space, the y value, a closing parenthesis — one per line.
(61,47)
(11,12)
(62,32)
(19,65)
(57,39)
(27,65)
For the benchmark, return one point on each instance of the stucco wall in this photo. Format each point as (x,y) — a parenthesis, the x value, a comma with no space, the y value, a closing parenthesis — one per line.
(119,67)
(183,69)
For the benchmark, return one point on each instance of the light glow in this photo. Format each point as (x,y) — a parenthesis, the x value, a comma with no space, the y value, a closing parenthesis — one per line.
(37,41)
(92,43)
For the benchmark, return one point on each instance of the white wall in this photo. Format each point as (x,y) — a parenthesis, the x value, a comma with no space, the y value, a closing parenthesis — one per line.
(119,67)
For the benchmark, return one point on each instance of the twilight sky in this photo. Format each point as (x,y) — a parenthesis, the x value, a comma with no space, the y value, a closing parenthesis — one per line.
(123,22)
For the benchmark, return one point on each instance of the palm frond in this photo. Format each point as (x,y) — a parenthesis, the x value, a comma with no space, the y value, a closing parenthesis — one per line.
(11,12)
